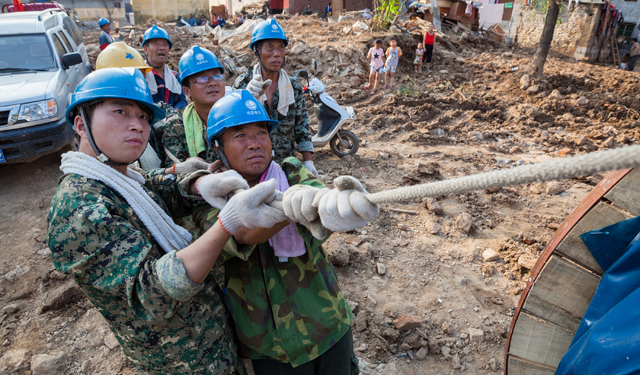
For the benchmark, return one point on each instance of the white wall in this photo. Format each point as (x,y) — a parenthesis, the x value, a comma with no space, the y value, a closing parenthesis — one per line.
(631,12)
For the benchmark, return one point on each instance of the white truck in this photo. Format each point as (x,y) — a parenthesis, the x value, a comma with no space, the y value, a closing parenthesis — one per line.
(42,60)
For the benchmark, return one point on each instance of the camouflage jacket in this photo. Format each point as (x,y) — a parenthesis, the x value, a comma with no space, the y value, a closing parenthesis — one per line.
(293,128)
(175,141)
(165,323)
(290,311)
(156,138)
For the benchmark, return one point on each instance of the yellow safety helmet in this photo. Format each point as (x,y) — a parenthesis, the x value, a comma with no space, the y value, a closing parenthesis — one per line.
(120,55)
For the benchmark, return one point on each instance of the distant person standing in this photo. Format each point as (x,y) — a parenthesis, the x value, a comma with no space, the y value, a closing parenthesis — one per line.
(191,20)
(116,26)
(635,54)
(164,83)
(105,39)
(328,11)
(393,56)
(376,54)
(419,56)
(429,44)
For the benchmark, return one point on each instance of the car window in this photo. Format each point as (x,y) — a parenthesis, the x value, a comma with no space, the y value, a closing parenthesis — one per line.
(26,51)
(66,41)
(72,30)
(58,45)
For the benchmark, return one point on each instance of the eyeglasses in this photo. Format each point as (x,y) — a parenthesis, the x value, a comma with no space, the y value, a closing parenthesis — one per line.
(205,79)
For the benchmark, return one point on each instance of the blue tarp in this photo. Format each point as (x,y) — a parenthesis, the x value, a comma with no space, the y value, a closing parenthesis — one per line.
(608,338)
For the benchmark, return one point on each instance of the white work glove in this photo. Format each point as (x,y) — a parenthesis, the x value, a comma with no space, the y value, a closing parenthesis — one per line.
(309,165)
(345,207)
(298,206)
(214,188)
(250,209)
(190,165)
(256,87)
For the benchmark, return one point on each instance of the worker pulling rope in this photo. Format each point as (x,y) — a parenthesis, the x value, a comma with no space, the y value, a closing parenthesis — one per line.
(625,157)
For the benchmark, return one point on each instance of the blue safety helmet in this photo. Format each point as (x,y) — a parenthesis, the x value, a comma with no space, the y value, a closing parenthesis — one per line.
(103,21)
(269,29)
(122,83)
(237,108)
(196,60)
(155,32)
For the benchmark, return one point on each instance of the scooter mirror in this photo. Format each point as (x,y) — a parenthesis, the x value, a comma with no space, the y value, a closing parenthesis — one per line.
(303,74)
(315,67)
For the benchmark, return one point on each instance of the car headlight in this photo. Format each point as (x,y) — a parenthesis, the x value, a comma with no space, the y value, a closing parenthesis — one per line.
(38,110)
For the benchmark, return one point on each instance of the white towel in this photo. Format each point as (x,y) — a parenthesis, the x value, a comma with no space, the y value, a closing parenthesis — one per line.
(170,82)
(168,234)
(491,14)
(285,90)
(109,37)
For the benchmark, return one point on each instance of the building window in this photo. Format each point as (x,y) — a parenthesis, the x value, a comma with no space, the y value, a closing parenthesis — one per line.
(626,29)
(117,5)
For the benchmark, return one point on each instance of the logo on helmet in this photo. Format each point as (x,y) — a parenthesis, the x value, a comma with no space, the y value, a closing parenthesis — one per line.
(251,105)
(155,31)
(274,27)
(199,56)
(141,83)
(128,56)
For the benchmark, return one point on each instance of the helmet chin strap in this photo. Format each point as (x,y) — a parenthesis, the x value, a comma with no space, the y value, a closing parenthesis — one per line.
(100,155)
(221,154)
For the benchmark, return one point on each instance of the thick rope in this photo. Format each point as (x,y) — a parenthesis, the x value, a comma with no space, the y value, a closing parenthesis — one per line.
(625,157)
(620,158)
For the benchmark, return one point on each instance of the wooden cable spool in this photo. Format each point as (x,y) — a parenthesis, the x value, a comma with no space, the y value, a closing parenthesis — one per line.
(565,279)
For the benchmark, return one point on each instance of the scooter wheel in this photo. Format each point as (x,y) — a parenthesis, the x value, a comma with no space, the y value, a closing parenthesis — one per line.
(347,146)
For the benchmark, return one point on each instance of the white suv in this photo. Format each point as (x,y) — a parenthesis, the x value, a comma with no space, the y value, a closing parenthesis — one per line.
(42,60)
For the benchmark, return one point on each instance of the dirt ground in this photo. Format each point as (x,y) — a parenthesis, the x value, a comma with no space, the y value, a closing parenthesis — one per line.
(425,259)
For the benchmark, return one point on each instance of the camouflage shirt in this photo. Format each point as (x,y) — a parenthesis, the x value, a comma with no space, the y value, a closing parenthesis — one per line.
(291,311)
(175,141)
(156,138)
(164,322)
(293,128)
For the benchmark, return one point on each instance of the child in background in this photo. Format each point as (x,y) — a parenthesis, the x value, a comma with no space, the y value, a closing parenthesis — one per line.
(376,55)
(393,56)
(419,55)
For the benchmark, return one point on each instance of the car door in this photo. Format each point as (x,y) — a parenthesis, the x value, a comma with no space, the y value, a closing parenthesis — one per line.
(75,36)
(76,72)
(66,77)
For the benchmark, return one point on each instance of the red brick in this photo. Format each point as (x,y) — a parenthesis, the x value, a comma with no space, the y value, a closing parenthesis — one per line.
(407,322)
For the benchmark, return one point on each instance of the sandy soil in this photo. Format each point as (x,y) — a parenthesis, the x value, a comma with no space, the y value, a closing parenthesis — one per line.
(473,113)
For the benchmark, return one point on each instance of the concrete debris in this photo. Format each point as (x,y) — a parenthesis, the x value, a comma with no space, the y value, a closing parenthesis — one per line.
(360,321)
(476,335)
(527,261)
(490,255)
(464,222)
(49,364)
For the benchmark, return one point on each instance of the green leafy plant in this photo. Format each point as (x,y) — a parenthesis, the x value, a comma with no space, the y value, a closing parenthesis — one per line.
(542,6)
(385,12)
